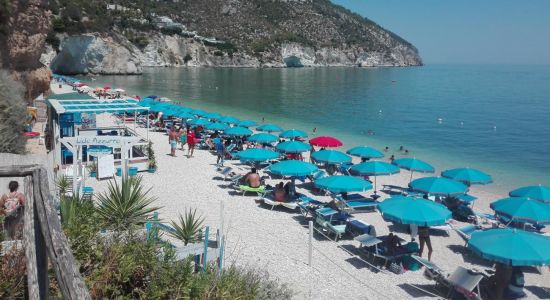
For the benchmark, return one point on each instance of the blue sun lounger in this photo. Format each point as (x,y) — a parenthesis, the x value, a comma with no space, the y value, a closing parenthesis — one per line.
(466,232)
(357,201)
(332,221)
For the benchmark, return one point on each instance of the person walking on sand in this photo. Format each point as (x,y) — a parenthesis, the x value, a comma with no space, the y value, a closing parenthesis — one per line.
(173,140)
(11,206)
(424,239)
(190,143)
(182,136)
(220,151)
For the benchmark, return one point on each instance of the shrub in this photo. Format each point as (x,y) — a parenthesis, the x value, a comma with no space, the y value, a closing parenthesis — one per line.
(126,205)
(12,113)
(189,228)
(58,24)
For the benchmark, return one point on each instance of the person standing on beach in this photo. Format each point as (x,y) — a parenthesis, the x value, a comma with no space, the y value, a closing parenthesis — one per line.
(220,151)
(182,136)
(424,239)
(190,143)
(173,140)
(11,206)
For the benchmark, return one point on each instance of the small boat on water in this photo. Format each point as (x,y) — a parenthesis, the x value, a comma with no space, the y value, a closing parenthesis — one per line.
(164,99)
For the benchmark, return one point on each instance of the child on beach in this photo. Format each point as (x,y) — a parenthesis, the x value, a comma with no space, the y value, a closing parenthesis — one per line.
(190,143)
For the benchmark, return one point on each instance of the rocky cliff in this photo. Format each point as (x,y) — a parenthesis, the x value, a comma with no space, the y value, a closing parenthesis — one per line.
(226,33)
(23,29)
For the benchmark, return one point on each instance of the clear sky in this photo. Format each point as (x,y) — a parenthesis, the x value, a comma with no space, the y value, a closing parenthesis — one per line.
(466,31)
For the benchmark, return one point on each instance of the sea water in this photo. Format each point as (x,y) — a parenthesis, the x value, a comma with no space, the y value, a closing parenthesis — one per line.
(492,117)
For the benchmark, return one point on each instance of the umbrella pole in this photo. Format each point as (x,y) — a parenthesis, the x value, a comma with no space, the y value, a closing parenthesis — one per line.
(411,176)
(375,185)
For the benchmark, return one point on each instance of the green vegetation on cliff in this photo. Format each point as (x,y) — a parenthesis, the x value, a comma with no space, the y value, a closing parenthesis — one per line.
(252,26)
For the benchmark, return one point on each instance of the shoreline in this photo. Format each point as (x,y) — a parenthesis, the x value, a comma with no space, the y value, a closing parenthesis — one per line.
(508,174)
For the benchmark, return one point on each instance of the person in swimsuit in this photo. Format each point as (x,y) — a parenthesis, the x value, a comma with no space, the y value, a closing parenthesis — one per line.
(252,179)
(183,136)
(424,239)
(190,143)
(11,206)
(173,140)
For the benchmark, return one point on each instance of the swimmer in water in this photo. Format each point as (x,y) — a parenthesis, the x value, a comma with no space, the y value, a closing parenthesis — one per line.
(392,158)
(386,149)
(400,148)
(406,151)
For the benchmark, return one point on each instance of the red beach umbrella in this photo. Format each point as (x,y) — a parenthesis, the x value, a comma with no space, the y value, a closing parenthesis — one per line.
(106,87)
(326,141)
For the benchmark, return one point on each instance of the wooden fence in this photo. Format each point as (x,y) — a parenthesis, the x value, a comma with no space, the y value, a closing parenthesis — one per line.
(43,237)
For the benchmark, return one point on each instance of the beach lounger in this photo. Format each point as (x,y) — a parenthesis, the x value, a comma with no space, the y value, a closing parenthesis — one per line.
(462,280)
(466,232)
(371,245)
(308,206)
(260,191)
(290,203)
(225,172)
(343,168)
(332,221)
(357,202)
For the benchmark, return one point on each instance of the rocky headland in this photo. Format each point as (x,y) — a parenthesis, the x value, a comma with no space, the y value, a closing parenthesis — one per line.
(216,33)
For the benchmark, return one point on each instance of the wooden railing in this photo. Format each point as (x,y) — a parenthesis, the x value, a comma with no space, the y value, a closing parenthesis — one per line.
(43,237)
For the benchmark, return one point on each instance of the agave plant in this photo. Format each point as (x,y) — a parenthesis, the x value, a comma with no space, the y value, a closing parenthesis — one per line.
(62,184)
(189,228)
(125,205)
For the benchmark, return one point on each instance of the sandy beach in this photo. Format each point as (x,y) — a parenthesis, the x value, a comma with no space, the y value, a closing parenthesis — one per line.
(277,240)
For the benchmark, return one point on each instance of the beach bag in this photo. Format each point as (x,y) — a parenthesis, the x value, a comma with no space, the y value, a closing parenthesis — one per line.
(11,205)
(396,268)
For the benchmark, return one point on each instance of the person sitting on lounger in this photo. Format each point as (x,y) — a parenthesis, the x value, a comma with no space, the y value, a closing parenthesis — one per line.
(392,243)
(279,193)
(252,179)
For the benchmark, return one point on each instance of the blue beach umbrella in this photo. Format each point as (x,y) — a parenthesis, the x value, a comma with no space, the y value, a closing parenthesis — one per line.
(292,134)
(263,138)
(535,192)
(229,120)
(247,123)
(238,131)
(256,155)
(365,152)
(212,116)
(511,246)
(293,168)
(414,165)
(269,128)
(199,122)
(523,210)
(438,186)
(343,184)
(468,176)
(417,211)
(217,126)
(330,157)
(374,168)
(293,147)
(198,112)
(184,115)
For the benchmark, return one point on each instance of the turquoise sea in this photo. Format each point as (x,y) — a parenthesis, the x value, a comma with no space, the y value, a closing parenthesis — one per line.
(492,117)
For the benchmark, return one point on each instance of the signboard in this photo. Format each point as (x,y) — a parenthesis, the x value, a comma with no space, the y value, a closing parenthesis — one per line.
(105,166)
(99,150)
(101,140)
